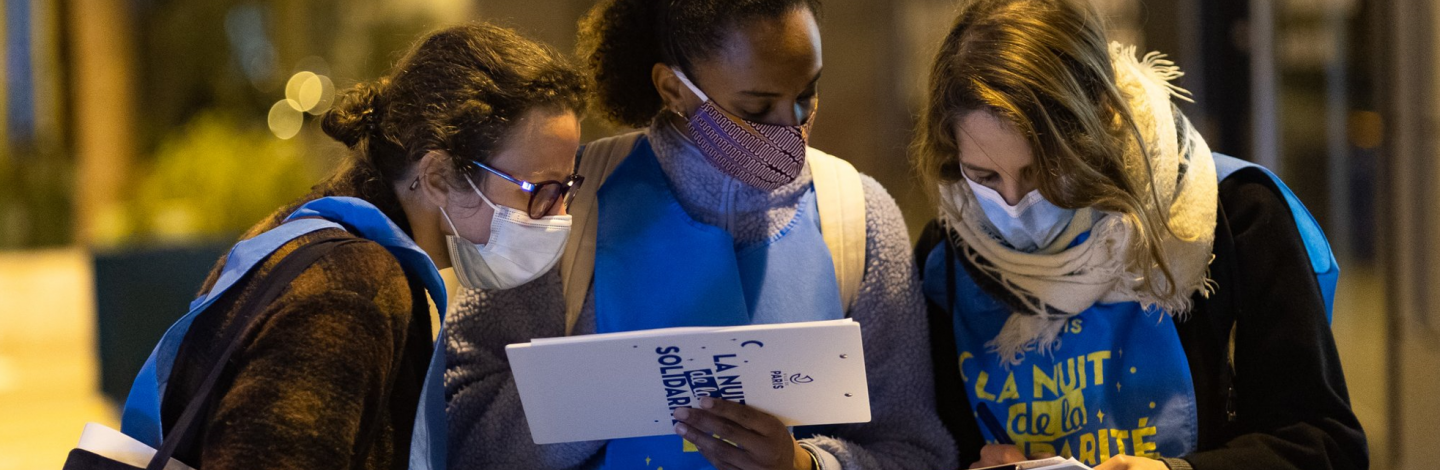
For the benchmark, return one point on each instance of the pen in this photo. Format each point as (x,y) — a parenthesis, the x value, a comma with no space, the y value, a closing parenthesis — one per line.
(987,418)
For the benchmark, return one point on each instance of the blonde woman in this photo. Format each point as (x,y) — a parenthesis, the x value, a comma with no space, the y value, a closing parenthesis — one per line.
(1101,285)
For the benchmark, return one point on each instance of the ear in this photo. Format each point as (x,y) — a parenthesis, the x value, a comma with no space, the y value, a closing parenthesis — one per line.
(434,173)
(677,99)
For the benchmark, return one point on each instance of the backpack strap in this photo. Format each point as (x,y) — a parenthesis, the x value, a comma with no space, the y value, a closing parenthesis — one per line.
(247,321)
(595,161)
(1322,259)
(840,195)
(140,417)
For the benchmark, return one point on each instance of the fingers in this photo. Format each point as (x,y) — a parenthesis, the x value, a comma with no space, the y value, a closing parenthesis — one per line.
(746,416)
(1001,454)
(707,423)
(747,438)
(720,453)
(1131,462)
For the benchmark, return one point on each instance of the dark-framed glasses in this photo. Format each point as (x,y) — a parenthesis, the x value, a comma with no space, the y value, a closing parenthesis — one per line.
(543,194)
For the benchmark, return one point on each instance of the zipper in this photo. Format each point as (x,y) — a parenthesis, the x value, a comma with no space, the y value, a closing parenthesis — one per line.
(1230,404)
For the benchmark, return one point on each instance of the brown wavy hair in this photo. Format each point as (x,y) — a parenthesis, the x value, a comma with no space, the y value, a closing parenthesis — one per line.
(1044,66)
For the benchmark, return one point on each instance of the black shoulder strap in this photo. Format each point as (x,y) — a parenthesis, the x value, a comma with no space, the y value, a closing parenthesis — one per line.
(579,155)
(930,237)
(1226,315)
(952,401)
(248,319)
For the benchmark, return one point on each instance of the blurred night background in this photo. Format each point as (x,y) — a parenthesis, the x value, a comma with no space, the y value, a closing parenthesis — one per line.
(140,137)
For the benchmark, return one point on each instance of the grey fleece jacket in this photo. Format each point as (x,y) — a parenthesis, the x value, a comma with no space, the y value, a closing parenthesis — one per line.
(487,425)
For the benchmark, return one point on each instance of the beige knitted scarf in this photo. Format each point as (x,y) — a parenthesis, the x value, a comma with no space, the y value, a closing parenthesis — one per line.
(1060,281)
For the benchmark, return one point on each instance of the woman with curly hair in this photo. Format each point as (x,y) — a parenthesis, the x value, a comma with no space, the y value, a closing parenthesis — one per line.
(333,366)
(711,215)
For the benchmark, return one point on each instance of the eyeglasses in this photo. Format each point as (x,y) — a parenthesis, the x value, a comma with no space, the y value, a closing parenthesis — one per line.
(544,194)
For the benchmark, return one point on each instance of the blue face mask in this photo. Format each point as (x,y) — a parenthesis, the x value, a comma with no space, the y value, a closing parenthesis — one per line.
(1027,226)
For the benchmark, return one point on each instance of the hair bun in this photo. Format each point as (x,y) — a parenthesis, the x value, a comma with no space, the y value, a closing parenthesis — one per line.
(461,89)
(357,115)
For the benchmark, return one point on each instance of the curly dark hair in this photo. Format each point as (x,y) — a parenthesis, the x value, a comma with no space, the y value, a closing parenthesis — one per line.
(622,40)
(459,89)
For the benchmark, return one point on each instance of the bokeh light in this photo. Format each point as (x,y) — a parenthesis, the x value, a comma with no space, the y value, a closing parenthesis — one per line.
(317,94)
(286,119)
(292,87)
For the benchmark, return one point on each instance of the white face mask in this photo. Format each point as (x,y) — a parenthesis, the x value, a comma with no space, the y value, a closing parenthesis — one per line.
(1026,226)
(520,249)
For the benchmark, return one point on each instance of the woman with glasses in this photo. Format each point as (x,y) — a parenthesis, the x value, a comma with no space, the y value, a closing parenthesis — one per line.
(530,242)
(462,156)
(709,216)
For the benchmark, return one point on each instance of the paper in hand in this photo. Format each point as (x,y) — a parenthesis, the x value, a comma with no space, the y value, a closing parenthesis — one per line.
(1052,463)
(611,386)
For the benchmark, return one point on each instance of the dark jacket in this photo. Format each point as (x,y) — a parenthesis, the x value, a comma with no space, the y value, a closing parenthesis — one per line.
(1290,406)
(333,377)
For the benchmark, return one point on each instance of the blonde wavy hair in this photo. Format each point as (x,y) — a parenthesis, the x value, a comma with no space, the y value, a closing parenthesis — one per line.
(1044,66)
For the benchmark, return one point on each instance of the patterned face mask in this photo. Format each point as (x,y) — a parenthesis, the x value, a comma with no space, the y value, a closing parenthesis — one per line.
(765,156)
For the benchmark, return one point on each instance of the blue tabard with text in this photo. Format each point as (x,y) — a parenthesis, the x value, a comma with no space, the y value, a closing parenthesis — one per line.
(656,267)
(1117,383)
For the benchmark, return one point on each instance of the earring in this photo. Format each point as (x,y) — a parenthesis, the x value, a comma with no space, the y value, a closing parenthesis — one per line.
(415,184)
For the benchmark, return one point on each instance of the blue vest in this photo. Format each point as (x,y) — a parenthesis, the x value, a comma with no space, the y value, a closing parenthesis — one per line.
(1089,399)
(655,267)
(1117,383)
(141,416)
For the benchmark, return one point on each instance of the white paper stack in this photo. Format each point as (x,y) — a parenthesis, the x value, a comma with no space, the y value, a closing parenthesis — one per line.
(1052,463)
(101,440)
(619,385)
